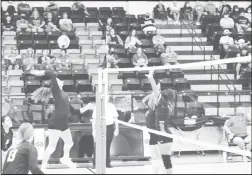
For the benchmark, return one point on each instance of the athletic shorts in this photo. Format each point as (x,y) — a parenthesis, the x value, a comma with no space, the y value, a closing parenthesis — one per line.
(58,123)
(232,140)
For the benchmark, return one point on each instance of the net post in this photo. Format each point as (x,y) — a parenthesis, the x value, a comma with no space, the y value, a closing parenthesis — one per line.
(100,141)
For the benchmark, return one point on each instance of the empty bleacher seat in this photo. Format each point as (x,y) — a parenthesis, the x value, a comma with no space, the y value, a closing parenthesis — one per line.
(118,11)
(145,83)
(8,44)
(140,19)
(39,36)
(130,74)
(166,83)
(149,52)
(82,35)
(65,74)
(135,26)
(117,19)
(53,44)
(4,87)
(105,11)
(16,86)
(121,27)
(71,35)
(31,86)
(132,84)
(83,86)
(53,36)
(24,36)
(24,44)
(96,35)
(123,35)
(161,74)
(41,10)
(74,44)
(41,44)
(93,11)
(46,83)
(181,84)
(94,26)
(80,74)
(76,18)
(17,99)
(140,34)
(176,73)
(68,10)
(124,63)
(130,19)
(120,52)
(116,84)
(154,62)
(146,43)
(98,43)
(69,86)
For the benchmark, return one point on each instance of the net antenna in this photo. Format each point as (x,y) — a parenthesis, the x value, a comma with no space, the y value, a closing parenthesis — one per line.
(100,125)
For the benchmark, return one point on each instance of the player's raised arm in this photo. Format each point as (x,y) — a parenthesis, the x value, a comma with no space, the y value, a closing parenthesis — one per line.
(154,86)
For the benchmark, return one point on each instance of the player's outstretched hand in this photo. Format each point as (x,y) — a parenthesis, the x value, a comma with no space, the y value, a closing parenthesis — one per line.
(150,75)
(37,72)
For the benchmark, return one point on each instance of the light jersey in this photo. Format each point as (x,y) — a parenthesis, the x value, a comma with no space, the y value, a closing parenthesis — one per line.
(111,114)
(238,125)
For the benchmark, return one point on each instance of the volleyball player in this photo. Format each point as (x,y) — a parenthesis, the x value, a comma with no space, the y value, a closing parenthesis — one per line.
(23,157)
(6,136)
(157,118)
(58,122)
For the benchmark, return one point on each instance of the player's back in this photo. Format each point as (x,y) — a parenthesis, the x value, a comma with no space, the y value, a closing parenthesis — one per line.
(21,159)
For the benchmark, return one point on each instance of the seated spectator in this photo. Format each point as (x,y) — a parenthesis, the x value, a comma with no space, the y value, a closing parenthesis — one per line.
(240,40)
(243,22)
(175,12)
(106,27)
(8,24)
(235,12)
(24,8)
(132,40)
(65,23)
(79,9)
(158,41)
(63,41)
(36,22)
(45,60)
(29,60)
(50,23)
(243,52)
(149,24)
(104,48)
(169,57)
(114,40)
(140,59)
(11,9)
(160,11)
(226,41)
(226,22)
(53,8)
(248,13)
(188,11)
(62,62)
(198,10)
(13,59)
(225,8)
(22,23)
(210,8)
(110,59)
(236,128)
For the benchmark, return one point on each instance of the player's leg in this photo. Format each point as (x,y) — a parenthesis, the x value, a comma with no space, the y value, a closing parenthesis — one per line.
(240,142)
(156,159)
(166,152)
(110,136)
(68,143)
(53,137)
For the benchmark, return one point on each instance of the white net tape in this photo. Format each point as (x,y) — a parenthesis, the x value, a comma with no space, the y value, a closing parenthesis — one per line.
(246,59)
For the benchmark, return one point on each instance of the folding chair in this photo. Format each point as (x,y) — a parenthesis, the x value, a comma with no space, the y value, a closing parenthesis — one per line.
(65,74)
(83,86)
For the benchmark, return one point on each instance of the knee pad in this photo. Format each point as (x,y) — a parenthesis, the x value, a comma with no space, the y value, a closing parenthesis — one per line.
(167,161)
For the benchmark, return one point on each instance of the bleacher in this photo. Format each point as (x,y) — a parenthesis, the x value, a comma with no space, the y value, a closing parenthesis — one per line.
(86,39)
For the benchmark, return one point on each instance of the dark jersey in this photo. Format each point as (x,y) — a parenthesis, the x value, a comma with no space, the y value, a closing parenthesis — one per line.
(6,139)
(21,160)
(188,9)
(242,20)
(36,21)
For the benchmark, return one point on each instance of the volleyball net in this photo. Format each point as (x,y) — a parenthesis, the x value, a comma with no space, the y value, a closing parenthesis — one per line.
(108,87)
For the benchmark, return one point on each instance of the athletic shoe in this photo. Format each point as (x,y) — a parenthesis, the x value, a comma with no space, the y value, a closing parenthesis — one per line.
(68,162)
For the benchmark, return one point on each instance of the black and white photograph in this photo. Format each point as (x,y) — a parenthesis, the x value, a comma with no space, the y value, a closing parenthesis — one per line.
(126,87)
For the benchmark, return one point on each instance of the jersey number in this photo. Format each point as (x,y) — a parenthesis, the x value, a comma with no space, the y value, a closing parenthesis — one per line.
(12,155)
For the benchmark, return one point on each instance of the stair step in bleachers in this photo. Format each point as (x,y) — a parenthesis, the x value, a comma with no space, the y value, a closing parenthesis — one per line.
(214,87)
(176,31)
(86,44)
(16,86)
(88,53)
(197,57)
(208,76)
(185,39)
(9,35)
(184,35)
(82,35)
(14,74)
(225,98)
(227,111)
(205,67)
(79,26)
(189,48)
(17,98)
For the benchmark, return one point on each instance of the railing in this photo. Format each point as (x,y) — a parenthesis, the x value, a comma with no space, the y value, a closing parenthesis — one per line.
(134,95)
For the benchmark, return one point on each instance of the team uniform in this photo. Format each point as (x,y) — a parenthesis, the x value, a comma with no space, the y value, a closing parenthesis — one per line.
(6,139)
(21,160)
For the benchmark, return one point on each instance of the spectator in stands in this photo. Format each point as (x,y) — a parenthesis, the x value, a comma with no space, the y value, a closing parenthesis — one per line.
(22,23)
(24,7)
(65,23)
(8,24)
(45,60)
(140,59)
(225,8)
(225,42)
(169,57)
(52,7)
(235,12)
(106,27)
(240,39)
(79,9)
(210,8)
(160,11)
(132,40)
(188,11)
(236,128)
(158,41)
(149,24)
(50,23)
(29,60)
(198,11)
(11,9)
(226,22)
(248,13)
(13,59)
(114,40)
(243,22)
(243,52)
(175,12)
(63,41)
(62,62)
(110,59)
(36,23)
